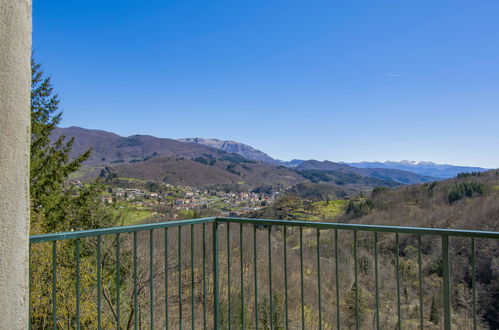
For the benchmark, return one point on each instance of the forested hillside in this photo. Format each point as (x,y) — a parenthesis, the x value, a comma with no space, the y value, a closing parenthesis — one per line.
(471,201)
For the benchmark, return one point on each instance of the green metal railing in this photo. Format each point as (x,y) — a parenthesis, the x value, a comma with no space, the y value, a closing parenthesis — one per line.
(214,283)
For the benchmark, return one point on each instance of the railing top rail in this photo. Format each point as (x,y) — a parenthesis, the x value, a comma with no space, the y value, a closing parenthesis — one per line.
(373,228)
(116,230)
(267,222)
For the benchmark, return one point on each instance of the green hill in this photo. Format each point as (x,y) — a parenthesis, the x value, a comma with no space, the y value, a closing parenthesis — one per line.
(470,201)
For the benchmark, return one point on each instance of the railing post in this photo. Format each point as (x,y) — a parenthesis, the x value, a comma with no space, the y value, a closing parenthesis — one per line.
(229,312)
(151,279)
(118,261)
(473,282)
(255,275)
(271,301)
(446,280)
(54,285)
(99,284)
(356,281)
(216,304)
(243,325)
(397,271)
(78,312)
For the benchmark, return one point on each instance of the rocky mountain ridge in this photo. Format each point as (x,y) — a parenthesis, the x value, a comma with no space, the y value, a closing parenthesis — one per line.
(242,149)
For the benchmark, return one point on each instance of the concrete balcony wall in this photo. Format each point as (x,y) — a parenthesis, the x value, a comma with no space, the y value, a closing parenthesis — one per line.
(15,82)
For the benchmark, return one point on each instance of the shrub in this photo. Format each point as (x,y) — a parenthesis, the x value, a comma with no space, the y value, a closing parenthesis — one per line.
(209,160)
(235,158)
(466,189)
(359,208)
(232,168)
(201,160)
(378,190)
(470,174)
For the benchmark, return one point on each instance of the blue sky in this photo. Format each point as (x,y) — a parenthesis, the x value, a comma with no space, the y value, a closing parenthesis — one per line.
(337,80)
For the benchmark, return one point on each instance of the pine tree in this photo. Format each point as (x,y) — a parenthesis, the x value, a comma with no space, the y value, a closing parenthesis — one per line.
(59,206)
(434,314)
(55,205)
(277,315)
(349,306)
(50,164)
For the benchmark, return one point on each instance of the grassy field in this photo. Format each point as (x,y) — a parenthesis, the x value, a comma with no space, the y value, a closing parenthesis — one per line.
(84,172)
(135,214)
(321,210)
(331,209)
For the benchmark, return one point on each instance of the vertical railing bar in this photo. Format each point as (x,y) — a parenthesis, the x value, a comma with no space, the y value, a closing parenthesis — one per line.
(99,284)
(166,280)
(255,274)
(376,278)
(420,280)
(446,281)
(337,278)
(286,277)
(229,311)
(242,274)
(397,270)
(356,275)
(216,288)
(30,283)
(271,303)
(204,276)
(78,325)
(473,282)
(446,264)
(192,278)
(135,284)
(319,276)
(118,325)
(54,285)
(180,276)
(302,298)
(151,279)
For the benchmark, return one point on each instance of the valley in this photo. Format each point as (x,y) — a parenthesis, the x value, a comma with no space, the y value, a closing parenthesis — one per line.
(147,180)
(196,177)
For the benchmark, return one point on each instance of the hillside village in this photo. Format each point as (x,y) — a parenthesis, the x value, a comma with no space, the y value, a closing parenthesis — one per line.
(173,200)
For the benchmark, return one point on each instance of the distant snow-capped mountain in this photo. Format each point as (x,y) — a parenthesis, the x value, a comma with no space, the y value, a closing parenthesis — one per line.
(443,171)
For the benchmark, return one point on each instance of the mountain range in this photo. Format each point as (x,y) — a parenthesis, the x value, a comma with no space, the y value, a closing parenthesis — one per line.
(403,177)
(427,169)
(442,171)
(208,162)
